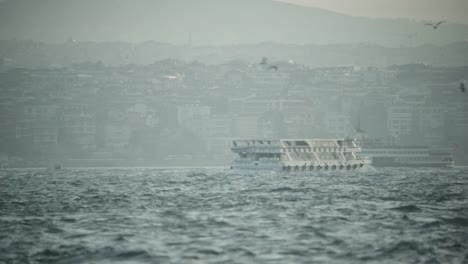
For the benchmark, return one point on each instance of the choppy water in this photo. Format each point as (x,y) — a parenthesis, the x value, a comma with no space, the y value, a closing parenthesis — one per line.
(138,215)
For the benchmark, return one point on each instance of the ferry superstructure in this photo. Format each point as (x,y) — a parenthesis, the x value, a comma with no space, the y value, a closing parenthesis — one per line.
(297,155)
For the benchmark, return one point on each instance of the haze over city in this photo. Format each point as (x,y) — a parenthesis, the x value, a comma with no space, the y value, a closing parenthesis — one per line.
(233,131)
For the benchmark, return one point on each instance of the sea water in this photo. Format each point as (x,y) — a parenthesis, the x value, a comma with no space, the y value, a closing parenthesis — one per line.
(210,215)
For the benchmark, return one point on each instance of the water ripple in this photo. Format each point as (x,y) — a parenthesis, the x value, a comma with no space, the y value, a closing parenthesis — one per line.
(151,215)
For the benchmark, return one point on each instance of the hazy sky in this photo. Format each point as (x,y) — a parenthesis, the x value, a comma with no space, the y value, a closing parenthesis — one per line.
(228,22)
(452,10)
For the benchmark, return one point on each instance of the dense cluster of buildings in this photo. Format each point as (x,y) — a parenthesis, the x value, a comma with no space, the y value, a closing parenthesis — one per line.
(173,112)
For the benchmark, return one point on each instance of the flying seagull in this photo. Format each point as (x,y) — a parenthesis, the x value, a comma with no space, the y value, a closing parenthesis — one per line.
(274,67)
(434,25)
(462,87)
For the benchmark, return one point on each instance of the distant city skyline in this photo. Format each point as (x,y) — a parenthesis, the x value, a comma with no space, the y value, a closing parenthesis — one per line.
(451,10)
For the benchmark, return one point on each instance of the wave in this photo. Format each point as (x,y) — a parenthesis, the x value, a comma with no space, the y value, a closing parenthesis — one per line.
(407,208)
(404,247)
(129,215)
(457,221)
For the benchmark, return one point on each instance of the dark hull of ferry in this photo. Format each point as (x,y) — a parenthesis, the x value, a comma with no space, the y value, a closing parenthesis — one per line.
(392,162)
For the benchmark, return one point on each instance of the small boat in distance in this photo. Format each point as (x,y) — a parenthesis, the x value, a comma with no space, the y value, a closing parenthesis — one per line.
(298,155)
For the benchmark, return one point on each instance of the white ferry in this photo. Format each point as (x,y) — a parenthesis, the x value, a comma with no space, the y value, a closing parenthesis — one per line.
(297,155)
(408,156)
